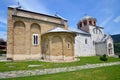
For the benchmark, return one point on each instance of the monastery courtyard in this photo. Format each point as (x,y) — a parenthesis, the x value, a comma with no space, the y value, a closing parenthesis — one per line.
(14,69)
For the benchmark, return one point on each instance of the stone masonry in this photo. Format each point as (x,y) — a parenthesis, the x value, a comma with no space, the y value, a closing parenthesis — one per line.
(23,24)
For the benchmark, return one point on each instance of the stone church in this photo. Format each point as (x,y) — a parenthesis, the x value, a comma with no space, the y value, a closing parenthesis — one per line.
(33,35)
(91,40)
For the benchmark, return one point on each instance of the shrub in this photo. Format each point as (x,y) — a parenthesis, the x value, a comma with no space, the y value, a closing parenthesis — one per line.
(119,56)
(10,59)
(103,58)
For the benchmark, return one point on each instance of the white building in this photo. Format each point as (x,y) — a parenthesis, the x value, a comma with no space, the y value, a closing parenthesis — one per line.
(91,40)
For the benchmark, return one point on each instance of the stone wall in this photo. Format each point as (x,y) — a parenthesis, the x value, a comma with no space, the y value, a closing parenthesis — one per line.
(22,26)
(82,47)
(60,46)
(97,33)
(101,48)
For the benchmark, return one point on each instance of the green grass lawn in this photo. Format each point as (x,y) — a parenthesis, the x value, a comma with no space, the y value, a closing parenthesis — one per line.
(103,73)
(23,65)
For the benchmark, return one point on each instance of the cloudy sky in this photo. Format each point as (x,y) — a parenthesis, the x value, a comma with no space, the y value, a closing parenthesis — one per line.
(107,12)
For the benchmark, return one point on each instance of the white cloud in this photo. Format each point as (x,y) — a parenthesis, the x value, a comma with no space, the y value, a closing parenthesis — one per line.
(3,35)
(106,21)
(117,19)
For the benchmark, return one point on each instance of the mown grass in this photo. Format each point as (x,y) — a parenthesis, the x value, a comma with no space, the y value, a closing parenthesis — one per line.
(103,73)
(23,65)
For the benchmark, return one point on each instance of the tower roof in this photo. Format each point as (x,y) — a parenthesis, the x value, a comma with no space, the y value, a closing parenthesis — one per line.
(86,17)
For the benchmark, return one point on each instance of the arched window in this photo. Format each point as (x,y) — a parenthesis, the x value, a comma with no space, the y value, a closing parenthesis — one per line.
(35,39)
(85,41)
(109,45)
(35,32)
(93,42)
(100,32)
(68,46)
(80,24)
(94,23)
(96,31)
(85,23)
(110,50)
(90,22)
(69,42)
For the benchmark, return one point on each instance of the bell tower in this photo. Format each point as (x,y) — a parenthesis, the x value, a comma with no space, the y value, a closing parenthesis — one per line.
(85,22)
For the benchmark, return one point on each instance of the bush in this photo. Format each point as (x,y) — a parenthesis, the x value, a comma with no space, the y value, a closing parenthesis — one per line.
(103,58)
(119,56)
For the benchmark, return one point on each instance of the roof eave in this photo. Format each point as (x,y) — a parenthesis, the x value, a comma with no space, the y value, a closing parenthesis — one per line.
(37,13)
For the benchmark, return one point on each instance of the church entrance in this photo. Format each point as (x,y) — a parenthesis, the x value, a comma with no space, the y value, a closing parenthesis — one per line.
(109,48)
(110,51)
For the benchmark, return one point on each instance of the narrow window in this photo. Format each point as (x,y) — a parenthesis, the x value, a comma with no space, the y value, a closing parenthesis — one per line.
(85,41)
(94,23)
(35,39)
(90,22)
(80,24)
(68,46)
(93,43)
(85,23)
(96,31)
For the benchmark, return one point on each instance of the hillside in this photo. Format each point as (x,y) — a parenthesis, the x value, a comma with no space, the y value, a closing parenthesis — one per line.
(116,39)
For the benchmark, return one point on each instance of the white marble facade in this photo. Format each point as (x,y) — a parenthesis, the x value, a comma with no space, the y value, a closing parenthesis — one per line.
(91,40)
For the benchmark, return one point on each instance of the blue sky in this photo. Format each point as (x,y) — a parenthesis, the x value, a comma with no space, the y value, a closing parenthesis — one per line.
(107,12)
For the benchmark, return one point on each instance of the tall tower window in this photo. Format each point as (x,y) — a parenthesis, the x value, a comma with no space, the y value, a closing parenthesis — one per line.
(85,23)
(96,31)
(90,22)
(35,39)
(94,23)
(80,24)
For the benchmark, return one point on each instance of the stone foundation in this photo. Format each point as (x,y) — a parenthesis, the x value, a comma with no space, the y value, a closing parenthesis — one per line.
(26,57)
(59,58)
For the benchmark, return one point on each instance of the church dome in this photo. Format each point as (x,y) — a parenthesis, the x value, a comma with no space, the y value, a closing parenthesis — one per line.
(86,21)
(86,17)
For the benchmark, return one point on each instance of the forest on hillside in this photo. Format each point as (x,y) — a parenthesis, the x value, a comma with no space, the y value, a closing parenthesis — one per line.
(116,39)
